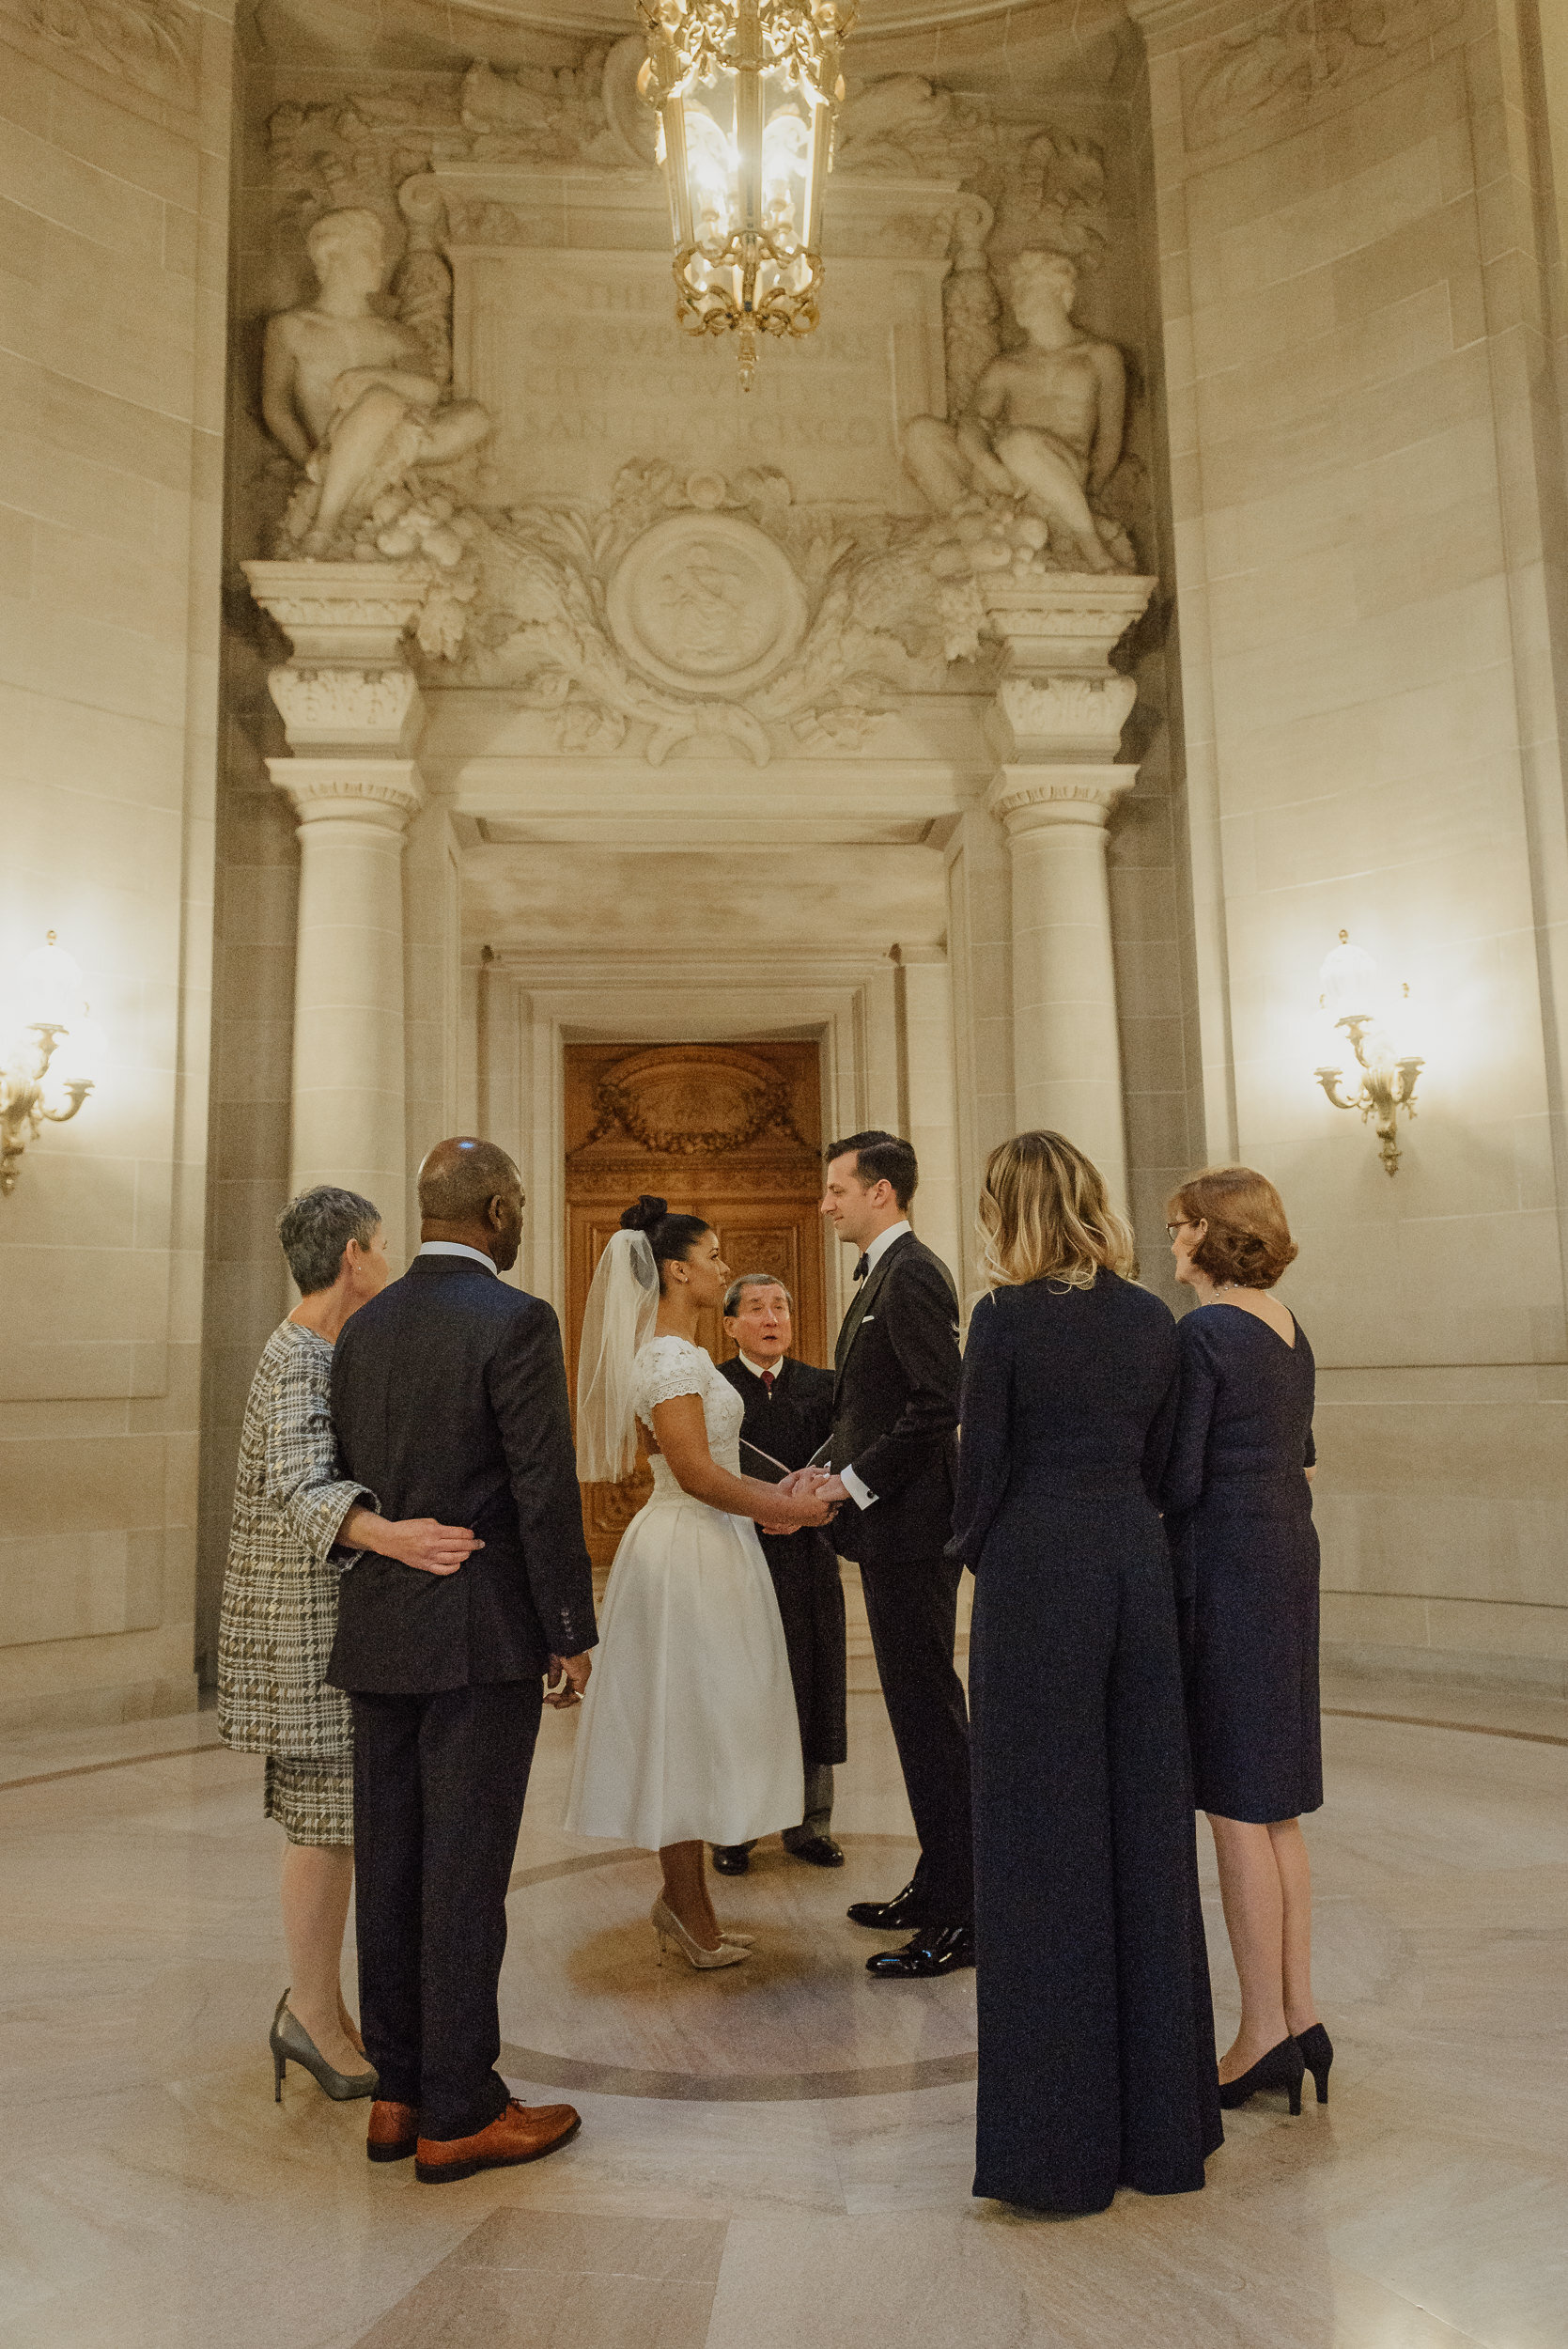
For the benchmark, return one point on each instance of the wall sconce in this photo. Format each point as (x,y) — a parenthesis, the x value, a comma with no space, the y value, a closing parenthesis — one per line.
(49,1053)
(1350,997)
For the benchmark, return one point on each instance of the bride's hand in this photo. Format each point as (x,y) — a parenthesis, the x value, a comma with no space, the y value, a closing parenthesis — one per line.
(799,1509)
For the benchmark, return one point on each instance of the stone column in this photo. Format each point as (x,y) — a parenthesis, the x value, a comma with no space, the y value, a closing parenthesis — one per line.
(1057,723)
(352,710)
(933,1126)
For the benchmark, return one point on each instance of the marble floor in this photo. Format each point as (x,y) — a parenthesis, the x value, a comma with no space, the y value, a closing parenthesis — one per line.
(779,2157)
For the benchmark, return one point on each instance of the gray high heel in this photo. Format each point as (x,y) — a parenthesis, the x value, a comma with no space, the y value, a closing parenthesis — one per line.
(291,2042)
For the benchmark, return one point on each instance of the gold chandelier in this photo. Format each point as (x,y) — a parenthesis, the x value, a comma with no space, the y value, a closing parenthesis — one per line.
(747,92)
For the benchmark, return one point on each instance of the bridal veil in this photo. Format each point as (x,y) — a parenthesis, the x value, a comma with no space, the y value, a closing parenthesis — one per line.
(623,1305)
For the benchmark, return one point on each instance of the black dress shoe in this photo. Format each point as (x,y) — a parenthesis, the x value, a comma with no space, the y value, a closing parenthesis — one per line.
(899,1914)
(940,1950)
(732,1860)
(820,1850)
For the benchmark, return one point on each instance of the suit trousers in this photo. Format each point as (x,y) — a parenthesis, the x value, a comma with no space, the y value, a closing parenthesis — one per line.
(913,1609)
(439,1788)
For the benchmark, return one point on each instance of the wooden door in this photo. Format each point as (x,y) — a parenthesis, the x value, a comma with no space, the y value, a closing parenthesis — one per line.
(729,1132)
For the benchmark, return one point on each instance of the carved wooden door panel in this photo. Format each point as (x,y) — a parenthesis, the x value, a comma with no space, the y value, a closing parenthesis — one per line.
(729,1132)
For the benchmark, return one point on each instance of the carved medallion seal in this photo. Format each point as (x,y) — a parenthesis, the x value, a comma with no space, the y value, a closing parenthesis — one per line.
(707,602)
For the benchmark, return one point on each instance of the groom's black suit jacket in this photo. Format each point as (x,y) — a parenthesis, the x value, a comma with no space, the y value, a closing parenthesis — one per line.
(449,1399)
(895,1407)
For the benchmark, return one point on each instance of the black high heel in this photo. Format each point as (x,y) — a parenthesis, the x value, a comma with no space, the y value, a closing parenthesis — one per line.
(1317,2053)
(1283,2066)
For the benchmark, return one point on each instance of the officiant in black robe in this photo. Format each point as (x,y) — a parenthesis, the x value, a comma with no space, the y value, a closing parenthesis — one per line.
(789,1414)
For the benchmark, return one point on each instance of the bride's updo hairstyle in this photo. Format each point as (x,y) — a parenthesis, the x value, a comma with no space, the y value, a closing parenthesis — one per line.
(672,1238)
(1045,1215)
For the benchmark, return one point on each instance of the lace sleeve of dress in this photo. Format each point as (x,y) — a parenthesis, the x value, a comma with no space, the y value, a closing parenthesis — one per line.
(668,1367)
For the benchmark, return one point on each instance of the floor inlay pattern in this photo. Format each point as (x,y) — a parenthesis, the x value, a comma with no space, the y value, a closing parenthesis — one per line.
(746,2036)
(157,2198)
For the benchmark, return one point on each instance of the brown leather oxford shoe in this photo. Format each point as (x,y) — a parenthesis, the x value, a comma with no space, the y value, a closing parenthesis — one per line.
(522,2133)
(393,2131)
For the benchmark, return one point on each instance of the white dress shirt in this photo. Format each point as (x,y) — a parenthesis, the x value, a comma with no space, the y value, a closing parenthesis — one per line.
(456,1248)
(856,1487)
(760,1370)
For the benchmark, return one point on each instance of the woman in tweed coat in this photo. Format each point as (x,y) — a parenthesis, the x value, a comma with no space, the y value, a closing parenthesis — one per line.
(297,1524)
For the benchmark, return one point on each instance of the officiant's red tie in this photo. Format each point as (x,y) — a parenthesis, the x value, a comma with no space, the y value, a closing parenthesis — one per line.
(767,1380)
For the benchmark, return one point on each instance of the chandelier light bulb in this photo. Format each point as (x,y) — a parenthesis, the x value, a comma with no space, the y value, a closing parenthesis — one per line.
(81,1053)
(51,986)
(1349,981)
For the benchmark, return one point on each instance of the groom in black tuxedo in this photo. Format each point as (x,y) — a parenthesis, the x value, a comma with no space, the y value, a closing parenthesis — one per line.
(895,1453)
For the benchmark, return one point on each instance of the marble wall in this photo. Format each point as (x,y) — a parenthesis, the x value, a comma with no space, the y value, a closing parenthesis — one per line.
(1332,254)
(114,184)
(1361,291)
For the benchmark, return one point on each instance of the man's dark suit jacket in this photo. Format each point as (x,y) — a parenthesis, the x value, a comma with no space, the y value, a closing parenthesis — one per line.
(449,1397)
(791,1423)
(895,1407)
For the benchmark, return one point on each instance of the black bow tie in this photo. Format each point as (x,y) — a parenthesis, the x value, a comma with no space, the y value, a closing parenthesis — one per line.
(863,1267)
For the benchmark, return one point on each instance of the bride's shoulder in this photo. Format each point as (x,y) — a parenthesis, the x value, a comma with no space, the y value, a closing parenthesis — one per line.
(667,1349)
(667,1367)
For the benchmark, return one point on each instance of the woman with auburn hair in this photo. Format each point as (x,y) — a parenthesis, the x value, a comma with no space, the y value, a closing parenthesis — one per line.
(1237,1497)
(1096,2034)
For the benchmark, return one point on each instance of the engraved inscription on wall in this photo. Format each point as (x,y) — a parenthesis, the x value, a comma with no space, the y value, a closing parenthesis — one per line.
(578,357)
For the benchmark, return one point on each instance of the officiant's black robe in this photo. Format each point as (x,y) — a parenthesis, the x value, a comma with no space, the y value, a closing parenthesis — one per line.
(791,1423)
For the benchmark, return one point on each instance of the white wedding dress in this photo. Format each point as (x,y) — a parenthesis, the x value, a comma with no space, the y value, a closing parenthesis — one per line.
(689,1732)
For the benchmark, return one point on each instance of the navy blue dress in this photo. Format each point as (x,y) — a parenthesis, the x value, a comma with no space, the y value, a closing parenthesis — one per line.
(1097,2033)
(1240,1513)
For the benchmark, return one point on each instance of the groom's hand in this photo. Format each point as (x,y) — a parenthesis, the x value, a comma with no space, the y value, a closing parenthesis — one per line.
(796,1480)
(565,1680)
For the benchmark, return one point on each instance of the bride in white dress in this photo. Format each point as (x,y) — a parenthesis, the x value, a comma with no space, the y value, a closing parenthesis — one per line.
(688,1734)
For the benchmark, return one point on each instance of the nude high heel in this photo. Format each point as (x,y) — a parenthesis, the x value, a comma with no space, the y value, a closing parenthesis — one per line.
(667,1925)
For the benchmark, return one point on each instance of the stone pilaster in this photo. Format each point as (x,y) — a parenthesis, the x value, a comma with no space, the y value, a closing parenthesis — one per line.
(352,709)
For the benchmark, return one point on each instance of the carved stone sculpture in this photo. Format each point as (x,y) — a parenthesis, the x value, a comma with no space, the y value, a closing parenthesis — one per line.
(352,394)
(1043,427)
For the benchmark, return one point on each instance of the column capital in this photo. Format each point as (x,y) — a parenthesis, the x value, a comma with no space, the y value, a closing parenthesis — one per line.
(352,709)
(342,615)
(1065,623)
(1037,798)
(347,687)
(381,793)
(1042,720)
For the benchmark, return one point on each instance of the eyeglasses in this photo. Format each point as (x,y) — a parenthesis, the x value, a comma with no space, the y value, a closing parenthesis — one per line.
(1186,1224)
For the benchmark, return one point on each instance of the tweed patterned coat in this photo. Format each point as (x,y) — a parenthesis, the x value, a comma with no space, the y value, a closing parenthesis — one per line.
(280,1592)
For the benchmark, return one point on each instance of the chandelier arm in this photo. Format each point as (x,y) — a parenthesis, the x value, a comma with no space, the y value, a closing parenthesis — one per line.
(1331,1080)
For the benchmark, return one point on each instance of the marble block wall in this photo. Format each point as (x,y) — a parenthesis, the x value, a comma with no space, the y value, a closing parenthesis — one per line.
(1360,287)
(114,183)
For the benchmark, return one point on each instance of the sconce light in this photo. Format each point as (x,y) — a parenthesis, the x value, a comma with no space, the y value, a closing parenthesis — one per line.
(49,1052)
(1350,996)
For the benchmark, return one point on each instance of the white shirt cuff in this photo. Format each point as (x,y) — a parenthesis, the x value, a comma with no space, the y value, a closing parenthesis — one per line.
(857,1490)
